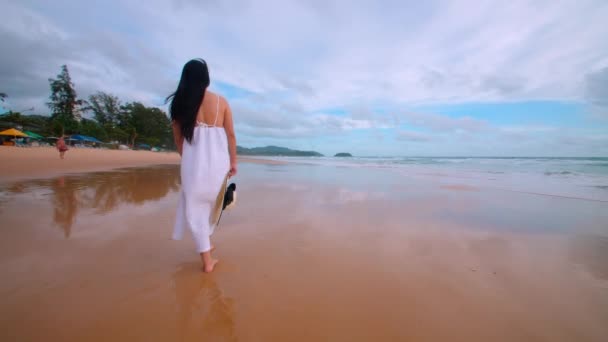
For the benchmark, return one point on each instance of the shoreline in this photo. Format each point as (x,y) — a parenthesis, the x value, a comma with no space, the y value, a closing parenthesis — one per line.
(43,162)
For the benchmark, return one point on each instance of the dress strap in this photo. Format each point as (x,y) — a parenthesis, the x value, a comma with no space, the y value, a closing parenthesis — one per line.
(217,110)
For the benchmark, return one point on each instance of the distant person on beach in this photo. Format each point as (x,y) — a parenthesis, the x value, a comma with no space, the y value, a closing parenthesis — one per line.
(61,147)
(204,137)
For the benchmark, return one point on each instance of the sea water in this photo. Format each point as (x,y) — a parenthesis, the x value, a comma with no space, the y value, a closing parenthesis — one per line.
(584,178)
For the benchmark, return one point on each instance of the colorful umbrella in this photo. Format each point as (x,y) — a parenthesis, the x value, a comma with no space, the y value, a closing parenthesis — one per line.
(14,133)
(34,135)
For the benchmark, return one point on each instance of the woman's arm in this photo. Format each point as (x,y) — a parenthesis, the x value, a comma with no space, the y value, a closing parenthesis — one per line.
(229,128)
(177,136)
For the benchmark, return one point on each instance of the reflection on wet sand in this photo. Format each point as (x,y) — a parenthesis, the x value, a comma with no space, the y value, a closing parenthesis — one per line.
(591,251)
(66,204)
(102,191)
(301,260)
(203,310)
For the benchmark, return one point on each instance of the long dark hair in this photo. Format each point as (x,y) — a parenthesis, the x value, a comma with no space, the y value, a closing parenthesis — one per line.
(187,99)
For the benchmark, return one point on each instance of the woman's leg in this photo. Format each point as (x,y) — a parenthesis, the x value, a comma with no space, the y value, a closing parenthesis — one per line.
(201,235)
(208,261)
(205,248)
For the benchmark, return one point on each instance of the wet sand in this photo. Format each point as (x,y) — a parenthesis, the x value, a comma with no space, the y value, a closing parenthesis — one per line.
(309,253)
(43,162)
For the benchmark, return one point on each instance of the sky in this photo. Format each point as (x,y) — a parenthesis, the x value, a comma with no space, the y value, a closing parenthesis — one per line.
(374,78)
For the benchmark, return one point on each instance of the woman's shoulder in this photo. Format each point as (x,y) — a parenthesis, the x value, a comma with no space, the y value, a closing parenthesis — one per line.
(217,95)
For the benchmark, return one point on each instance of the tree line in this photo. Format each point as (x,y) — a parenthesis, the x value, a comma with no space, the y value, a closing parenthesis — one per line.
(130,123)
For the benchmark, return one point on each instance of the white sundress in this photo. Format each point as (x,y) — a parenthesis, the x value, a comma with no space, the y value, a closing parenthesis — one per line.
(205,163)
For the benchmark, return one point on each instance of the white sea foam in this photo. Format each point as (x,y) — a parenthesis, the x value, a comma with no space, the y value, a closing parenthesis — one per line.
(585,178)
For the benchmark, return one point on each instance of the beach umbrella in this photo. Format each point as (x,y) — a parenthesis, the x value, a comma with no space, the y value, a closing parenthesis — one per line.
(80,137)
(77,137)
(95,140)
(34,135)
(14,133)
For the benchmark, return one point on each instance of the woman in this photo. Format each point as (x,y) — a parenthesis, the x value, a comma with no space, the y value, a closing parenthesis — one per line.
(204,136)
(61,147)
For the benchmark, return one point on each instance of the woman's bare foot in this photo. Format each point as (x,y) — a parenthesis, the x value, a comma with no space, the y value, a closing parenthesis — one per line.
(209,266)
(208,261)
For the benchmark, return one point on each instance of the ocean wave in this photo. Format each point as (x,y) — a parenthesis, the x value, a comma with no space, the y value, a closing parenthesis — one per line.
(550,173)
(556,167)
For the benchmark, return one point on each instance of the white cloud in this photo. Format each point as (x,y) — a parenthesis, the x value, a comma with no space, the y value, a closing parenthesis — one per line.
(413,136)
(597,91)
(299,58)
(274,123)
(442,123)
(335,53)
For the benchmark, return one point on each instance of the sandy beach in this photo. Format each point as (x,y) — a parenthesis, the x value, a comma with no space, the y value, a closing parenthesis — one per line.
(309,253)
(41,162)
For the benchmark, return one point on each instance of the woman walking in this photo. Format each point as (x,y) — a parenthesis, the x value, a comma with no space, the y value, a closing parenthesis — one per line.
(61,147)
(204,135)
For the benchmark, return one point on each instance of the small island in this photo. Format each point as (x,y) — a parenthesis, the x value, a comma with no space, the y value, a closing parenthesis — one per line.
(343,154)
